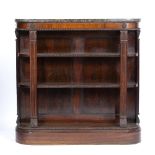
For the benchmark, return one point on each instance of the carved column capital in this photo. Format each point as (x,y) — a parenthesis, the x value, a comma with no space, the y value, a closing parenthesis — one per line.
(124,25)
(32,26)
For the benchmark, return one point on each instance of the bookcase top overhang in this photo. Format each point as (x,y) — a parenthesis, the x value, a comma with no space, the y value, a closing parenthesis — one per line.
(76,20)
(77,24)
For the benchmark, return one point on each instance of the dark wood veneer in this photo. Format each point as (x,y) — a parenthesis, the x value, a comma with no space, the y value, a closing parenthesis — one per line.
(77,81)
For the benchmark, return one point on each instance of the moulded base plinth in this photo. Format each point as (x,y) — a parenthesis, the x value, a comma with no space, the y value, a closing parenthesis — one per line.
(93,135)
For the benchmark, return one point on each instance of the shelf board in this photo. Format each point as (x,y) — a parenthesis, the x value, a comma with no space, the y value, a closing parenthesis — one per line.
(77,54)
(61,125)
(77,85)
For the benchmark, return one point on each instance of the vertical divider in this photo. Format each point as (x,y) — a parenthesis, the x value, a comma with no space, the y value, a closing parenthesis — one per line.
(123,78)
(137,76)
(33,78)
(17,73)
(78,46)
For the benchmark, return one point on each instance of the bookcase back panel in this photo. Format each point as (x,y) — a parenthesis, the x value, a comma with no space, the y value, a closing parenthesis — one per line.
(102,44)
(99,101)
(24,41)
(94,70)
(104,101)
(62,41)
(24,65)
(54,101)
(51,44)
(50,71)
(131,69)
(101,70)
(132,42)
(24,99)
(131,104)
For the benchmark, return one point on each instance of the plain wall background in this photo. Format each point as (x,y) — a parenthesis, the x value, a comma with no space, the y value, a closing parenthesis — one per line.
(11,9)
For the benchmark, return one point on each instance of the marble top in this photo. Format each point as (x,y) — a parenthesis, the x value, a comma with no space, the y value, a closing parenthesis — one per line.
(76,20)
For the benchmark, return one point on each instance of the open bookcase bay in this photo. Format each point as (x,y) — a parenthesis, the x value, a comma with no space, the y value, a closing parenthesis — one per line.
(77,82)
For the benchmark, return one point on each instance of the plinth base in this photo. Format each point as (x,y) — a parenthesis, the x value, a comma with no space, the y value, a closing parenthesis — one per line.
(78,135)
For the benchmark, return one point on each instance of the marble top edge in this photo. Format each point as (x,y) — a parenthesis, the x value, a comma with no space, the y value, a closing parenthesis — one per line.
(76,20)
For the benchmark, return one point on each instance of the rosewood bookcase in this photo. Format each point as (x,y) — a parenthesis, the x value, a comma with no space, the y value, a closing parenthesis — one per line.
(77,81)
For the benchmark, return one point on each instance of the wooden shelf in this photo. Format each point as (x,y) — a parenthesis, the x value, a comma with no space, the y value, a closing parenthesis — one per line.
(77,85)
(74,125)
(77,54)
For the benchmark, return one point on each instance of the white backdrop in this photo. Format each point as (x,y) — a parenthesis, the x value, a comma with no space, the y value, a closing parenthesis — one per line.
(11,9)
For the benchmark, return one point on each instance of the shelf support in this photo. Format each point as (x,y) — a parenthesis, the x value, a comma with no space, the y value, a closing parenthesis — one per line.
(123,78)
(78,45)
(33,78)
